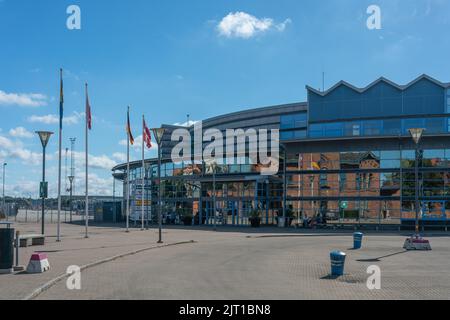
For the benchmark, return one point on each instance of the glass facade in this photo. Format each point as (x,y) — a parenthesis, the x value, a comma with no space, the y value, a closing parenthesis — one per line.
(424,97)
(448,101)
(377,186)
(389,127)
(293,126)
(367,186)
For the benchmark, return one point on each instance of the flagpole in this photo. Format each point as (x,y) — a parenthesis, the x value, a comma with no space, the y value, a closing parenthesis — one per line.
(143,173)
(87,172)
(58,237)
(128,171)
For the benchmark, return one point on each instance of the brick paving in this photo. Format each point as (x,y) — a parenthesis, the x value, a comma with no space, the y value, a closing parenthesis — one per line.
(233,263)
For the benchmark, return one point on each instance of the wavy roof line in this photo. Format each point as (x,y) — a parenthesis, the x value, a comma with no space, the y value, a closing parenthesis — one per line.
(382,79)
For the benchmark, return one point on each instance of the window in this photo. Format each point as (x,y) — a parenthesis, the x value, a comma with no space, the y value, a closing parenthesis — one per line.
(434,125)
(334,129)
(299,120)
(373,128)
(392,127)
(448,124)
(448,101)
(352,129)
(316,131)
(287,135)
(412,123)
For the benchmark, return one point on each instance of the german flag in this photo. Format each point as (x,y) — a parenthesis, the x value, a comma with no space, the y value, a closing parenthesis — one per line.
(128,128)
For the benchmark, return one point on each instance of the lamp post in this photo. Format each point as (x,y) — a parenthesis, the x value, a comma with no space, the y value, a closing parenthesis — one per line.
(158,133)
(3,204)
(417,134)
(45,137)
(71,178)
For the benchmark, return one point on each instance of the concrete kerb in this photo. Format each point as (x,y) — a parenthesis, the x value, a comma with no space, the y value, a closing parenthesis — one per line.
(54,281)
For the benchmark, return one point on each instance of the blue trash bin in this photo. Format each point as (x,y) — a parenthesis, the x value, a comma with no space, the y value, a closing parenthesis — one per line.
(357,240)
(337,263)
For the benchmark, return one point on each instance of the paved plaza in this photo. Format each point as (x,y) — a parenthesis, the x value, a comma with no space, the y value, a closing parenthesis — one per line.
(232,263)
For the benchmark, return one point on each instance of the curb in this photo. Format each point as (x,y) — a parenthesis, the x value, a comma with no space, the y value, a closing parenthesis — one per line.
(54,281)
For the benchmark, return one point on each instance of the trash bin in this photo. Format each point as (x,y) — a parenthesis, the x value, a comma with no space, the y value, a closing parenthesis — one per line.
(357,240)
(6,249)
(337,263)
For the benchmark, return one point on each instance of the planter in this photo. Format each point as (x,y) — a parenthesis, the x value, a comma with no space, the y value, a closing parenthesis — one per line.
(255,222)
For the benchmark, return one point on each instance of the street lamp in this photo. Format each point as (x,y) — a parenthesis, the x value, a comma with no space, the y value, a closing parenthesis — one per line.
(45,137)
(417,134)
(213,168)
(3,205)
(71,178)
(158,133)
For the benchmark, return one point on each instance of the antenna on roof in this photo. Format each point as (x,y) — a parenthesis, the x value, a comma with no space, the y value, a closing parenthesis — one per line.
(323,81)
(187,123)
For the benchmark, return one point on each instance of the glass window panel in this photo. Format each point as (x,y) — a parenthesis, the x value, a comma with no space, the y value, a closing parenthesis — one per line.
(412,123)
(316,131)
(434,125)
(352,129)
(287,135)
(334,129)
(300,134)
(392,127)
(372,128)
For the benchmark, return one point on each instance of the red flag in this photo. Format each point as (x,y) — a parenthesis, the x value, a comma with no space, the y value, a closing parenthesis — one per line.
(88,110)
(147,136)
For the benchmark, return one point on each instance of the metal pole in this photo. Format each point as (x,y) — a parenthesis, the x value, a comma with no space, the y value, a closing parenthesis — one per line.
(159,194)
(417,188)
(3,205)
(214,196)
(43,194)
(285,187)
(128,179)
(143,175)
(87,176)
(70,204)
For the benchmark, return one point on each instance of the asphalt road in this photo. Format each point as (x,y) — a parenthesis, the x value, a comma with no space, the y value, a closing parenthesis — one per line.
(292,267)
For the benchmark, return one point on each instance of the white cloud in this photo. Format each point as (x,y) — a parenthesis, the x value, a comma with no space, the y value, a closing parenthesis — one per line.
(15,150)
(54,119)
(22,99)
(95,162)
(244,25)
(122,157)
(20,132)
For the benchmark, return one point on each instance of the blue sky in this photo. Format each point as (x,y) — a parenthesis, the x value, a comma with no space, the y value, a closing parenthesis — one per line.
(170,58)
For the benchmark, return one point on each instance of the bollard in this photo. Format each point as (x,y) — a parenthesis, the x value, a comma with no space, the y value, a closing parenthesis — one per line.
(337,263)
(357,240)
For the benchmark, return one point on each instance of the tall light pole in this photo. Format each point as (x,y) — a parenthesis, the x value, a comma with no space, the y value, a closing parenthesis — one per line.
(213,167)
(45,137)
(70,200)
(417,134)
(158,133)
(3,204)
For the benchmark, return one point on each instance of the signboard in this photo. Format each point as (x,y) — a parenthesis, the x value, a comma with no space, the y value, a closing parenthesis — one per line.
(344,205)
(137,199)
(43,190)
